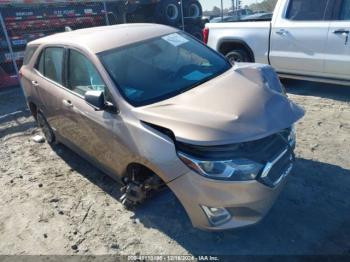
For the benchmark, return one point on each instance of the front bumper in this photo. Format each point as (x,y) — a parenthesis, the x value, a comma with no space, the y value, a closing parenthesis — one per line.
(247,202)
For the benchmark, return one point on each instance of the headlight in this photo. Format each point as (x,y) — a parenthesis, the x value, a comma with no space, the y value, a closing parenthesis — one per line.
(236,169)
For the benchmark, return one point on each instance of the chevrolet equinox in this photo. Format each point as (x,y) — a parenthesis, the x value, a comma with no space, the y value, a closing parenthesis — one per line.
(153,107)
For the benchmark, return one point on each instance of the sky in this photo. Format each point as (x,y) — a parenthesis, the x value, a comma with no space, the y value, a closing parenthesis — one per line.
(209,4)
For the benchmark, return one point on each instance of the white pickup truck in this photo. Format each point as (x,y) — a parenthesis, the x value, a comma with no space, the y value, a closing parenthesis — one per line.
(306,39)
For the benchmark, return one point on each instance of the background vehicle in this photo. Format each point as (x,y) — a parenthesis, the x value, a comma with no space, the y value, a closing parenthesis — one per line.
(226,18)
(241,12)
(233,16)
(306,39)
(258,17)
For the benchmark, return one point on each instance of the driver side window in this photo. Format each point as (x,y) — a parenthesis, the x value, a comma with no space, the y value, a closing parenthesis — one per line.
(307,10)
(82,75)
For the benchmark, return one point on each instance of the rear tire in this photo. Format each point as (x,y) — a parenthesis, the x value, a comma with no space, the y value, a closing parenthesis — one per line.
(46,128)
(238,55)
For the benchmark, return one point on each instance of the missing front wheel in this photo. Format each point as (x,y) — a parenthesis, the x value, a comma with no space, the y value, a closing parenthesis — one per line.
(139,184)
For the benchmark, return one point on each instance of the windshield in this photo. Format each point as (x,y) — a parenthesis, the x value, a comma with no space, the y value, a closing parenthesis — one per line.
(162,67)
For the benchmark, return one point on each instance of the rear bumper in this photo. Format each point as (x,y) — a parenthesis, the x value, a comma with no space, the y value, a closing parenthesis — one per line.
(247,202)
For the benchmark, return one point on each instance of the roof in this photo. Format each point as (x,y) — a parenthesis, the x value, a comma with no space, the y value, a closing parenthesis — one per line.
(99,39)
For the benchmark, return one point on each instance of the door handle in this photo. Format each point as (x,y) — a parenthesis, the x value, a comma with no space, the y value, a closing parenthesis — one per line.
(35,83)
(341,32)
(67,103)
(282,32)
(344,33)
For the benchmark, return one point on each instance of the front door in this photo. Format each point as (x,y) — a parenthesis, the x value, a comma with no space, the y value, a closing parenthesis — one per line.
(95,132)
(298,37)
(337,60)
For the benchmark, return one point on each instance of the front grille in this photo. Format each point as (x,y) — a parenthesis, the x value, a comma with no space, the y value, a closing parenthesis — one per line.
(278,170)
(261,151)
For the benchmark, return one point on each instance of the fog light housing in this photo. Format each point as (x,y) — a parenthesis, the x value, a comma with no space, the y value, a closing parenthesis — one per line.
(217,215)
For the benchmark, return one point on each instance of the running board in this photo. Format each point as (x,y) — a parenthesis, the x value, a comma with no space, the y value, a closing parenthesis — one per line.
(316,79)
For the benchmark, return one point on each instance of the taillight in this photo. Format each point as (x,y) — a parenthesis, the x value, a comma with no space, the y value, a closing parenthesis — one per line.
(205,35)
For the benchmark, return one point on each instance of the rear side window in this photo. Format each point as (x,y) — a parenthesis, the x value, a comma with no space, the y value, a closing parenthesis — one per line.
(30,50)
(345,10)
(50,64)
(307,10)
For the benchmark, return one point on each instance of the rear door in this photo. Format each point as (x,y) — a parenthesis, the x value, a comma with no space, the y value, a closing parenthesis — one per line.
(337,57)
(47,81)
(298,37)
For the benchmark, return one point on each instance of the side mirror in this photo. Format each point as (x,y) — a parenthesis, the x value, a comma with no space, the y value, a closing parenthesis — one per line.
(96,99)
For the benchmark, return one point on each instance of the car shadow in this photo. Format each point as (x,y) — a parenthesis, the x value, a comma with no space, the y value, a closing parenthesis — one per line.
(306,88)
(89,171)
(311,216)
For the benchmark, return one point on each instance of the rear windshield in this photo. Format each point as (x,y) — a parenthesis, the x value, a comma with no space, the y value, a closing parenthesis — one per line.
(162,67)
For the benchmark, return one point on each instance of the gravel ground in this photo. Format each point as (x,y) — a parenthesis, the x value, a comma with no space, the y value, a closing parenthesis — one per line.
(54,202)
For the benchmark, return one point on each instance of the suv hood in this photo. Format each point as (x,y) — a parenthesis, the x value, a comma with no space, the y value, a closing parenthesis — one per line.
(238,106)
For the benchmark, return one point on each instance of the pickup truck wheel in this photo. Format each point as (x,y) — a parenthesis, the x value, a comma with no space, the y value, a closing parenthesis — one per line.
(238,55)
(46,128)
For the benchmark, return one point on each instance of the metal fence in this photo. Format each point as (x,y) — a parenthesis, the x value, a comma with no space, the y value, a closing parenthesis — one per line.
(21,22)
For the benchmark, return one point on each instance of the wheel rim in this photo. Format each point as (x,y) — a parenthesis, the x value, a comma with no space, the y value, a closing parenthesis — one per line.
(235,58)
(172,11)
(194,11)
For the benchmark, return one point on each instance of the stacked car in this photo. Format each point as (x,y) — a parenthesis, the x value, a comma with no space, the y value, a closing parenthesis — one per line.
(168,12)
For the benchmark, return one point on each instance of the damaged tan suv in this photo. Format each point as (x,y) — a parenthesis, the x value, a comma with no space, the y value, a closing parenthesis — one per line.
(153,107)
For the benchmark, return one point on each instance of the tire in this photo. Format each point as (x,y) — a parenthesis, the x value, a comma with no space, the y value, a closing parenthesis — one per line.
(46,128)
(238,55)
(196,31)
(168,12)
(192,9)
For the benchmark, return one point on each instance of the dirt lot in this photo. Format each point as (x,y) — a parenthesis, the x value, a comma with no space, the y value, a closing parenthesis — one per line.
(54,202)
